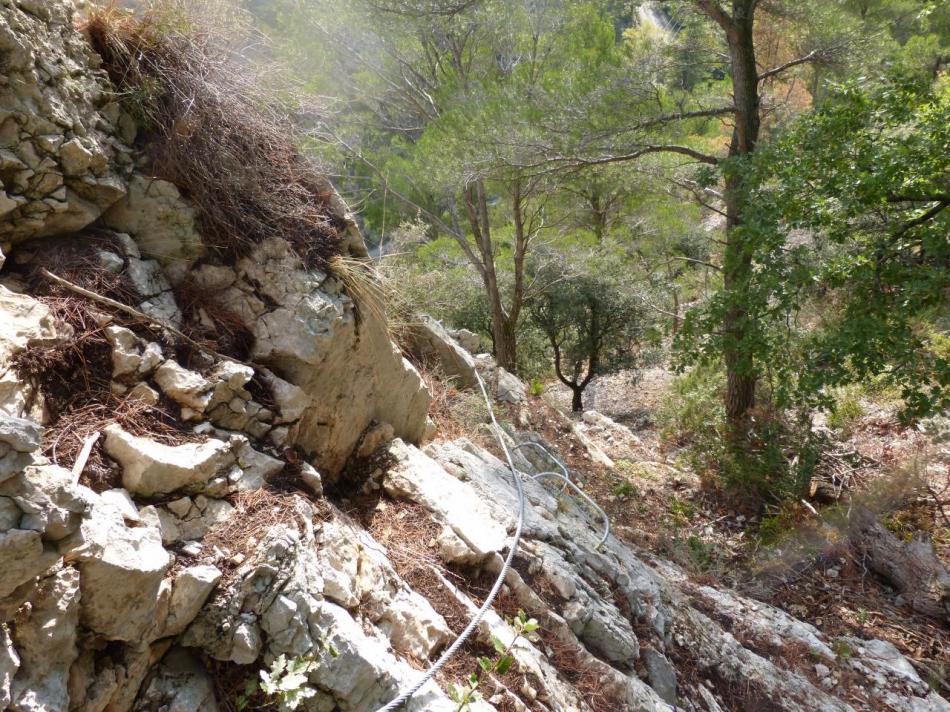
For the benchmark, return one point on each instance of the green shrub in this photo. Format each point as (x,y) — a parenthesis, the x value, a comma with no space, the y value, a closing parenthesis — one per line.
(626,489)
(693,408)
(536,388)
(775,461)
(772,461)
(846,411)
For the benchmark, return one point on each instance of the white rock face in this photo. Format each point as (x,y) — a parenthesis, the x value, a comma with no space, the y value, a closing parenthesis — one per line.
(62,163)
(132,357)
(346,366)
(190,590)
(121,570)
(160,221)
(185,387)
(45,642)
(431,340)
(150,468)
(304,582)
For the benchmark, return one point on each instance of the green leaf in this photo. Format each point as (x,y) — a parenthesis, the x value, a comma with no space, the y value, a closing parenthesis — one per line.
(499,645)
(504,664)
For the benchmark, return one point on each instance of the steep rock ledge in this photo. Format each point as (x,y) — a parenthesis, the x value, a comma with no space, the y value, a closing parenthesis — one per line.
(206,550)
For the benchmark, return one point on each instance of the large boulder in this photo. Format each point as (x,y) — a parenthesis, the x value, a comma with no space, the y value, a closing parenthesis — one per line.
(150,468)
(122,564)
(338,355)
(61,161)
(430,341)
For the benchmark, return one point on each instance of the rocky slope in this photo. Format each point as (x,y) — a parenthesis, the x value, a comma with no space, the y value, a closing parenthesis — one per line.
(163,528)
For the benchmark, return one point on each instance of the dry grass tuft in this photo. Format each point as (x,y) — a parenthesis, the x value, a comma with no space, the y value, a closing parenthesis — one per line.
(211,129)
(457,413)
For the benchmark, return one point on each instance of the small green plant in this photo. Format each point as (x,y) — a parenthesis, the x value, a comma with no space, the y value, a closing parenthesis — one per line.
(701,553)
(846,412)
(626,489)
(464,694)
(841,649)
(286,682)
(682,510)
(536,388)
(633,469)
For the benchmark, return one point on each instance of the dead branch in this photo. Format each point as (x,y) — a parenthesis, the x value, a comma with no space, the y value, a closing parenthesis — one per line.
(135,313)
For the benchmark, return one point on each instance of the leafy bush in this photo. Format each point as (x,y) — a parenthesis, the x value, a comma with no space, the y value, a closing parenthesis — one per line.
(772,461)
(467,693)
(693,408)
(846,411)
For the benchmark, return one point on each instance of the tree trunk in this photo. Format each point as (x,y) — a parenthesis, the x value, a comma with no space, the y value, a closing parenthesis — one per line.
(737,258)
(505,338)
(577,401)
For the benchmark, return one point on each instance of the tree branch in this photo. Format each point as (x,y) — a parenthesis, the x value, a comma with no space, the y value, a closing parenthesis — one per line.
(682,116)
(813,56)
(920,220)
(714,10)
(566,162)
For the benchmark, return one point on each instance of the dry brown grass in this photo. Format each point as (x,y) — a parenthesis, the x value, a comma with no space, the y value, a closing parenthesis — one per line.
(256,513)
(211,128)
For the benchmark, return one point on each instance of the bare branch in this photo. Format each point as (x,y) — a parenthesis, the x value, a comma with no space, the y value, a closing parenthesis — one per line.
(682,116)
(816,55)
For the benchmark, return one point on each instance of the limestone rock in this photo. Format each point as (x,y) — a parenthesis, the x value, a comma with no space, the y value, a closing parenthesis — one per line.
(179,684)
(430,340)
(505,386)
(23,558)
(51,504)
(276,606)
(419,478)
(150,468)
(160,221)
(468,340)
(348,368)
(187,388)
(132,357)
(121,569)
(18,438)
(45,641)
(61,160)
(25,322)
(190,590)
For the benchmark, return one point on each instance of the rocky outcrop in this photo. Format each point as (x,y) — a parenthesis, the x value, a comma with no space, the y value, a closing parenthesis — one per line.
(61,159)
(26,322)
(208,538)
(334,369)
(431,342)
